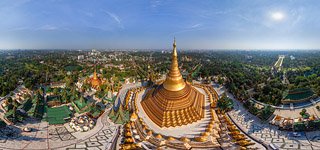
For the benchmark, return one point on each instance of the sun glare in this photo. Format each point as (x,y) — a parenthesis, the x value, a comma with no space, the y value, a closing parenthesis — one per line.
(277,16)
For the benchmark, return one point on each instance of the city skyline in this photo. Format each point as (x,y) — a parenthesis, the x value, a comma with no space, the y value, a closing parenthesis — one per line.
(55,24)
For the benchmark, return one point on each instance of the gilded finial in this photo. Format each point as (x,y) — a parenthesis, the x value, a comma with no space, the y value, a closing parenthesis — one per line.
(174,51)
(174,80)
(95,74)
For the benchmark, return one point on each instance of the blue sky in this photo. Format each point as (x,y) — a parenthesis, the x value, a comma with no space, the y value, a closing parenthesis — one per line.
(197,24)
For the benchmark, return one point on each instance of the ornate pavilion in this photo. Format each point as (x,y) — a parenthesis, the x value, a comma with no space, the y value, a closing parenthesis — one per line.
(174,102)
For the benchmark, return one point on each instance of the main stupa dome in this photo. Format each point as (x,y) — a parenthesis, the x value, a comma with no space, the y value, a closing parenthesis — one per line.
(174,102)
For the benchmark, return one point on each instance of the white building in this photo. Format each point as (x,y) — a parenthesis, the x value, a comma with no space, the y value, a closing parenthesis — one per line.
(80,57)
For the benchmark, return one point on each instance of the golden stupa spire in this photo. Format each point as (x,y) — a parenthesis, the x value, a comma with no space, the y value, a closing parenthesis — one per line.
(95,74)
(174,80)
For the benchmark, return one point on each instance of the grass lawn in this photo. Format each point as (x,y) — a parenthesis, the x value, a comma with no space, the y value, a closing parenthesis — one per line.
(57,115)
(73,68)
(298,94)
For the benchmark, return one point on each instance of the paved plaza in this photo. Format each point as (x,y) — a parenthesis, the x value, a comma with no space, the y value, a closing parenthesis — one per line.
(267,134)
(295,113)
(44,136)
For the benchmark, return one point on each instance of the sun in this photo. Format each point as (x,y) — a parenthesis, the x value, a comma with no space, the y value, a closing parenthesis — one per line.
(277,16)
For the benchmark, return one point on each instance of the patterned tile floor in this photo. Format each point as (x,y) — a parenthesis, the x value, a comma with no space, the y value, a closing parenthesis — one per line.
(269,133)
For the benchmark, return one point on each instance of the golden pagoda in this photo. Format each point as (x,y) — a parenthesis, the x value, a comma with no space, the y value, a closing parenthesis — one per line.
(95,81)
(133,116)
(174,102)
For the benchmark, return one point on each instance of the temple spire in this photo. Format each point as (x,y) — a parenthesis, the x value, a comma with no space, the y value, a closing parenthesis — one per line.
(95,74)
(174,51)
(174,80)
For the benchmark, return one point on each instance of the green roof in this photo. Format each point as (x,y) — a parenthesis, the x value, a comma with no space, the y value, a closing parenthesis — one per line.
(9,113)
(27,105)
(112,113)
(81,106)
(53,98)
(119,119)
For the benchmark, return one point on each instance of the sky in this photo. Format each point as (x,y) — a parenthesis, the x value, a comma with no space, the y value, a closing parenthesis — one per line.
(152,24)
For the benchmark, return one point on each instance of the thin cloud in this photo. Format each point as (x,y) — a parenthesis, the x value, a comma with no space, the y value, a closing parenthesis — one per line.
(19,29)
(297,15)
(195,27)
(115,18)
(47,27)
(155,4)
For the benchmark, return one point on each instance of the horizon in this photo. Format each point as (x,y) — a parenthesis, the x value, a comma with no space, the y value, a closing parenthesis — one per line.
(206,25)
(155,49)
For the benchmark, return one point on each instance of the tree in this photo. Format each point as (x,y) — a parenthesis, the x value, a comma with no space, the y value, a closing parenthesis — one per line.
(40,91)
(220,80)
(266,112)
(225,103)
(55,91)
(303,112)
(65,96)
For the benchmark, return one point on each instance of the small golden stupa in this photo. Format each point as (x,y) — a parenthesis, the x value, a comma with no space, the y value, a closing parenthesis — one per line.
(175,102)
(133,116)
(95,81)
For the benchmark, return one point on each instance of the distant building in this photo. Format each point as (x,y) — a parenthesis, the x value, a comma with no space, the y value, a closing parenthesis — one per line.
(80,57)
(57,85)
(186,58)
(94,52)
(292,57)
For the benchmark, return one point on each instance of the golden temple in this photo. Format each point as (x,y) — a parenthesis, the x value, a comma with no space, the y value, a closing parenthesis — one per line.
(95,81)
(175,102)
